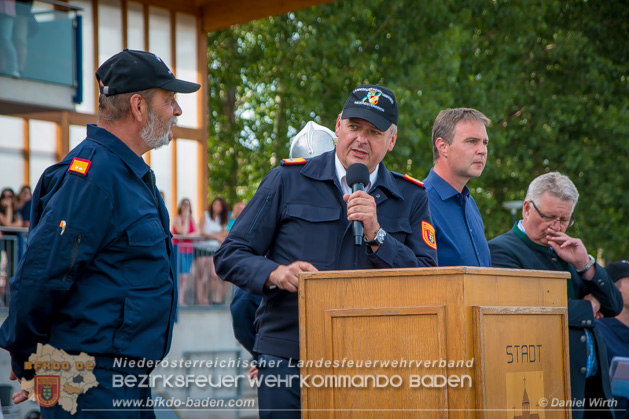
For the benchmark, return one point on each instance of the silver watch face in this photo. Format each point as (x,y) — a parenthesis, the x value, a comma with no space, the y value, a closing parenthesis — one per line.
(380,235)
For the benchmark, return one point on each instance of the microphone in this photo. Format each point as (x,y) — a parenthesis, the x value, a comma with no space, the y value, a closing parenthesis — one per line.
(357,178)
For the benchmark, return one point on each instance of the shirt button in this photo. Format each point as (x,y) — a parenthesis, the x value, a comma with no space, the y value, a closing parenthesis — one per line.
(378,195)
(583,322)
(583,338)
(589,322)
(583,370)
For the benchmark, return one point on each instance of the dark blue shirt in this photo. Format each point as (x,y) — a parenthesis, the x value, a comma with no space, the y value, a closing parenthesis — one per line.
(616,336)
(459,226)
(97,275)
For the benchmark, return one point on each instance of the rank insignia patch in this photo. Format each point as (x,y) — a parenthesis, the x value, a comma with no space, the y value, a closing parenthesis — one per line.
(47,389)
(80,166)
(413,180)
(290,162)
(428,234)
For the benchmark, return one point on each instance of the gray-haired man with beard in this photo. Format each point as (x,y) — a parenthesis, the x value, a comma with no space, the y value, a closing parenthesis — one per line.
(98,274)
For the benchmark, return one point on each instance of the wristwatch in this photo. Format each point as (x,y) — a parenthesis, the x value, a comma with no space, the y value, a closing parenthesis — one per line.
(378,240)
(588,266)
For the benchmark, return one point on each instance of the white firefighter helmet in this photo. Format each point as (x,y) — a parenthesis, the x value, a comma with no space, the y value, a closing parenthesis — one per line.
(311,141)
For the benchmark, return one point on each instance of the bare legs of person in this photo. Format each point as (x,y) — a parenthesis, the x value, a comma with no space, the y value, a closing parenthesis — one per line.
(183,282)
(202,266)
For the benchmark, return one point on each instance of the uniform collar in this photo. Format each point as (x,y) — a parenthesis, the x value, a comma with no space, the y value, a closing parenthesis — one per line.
(120,149)
(443,188)
(323,168)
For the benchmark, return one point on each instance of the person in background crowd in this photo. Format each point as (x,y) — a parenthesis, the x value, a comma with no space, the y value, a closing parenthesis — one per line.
(9,216)
(459,145)
(98,275)
(300,220)
(213,226)
(8,54)
(233,215)
(539,241)
(24,204)
(183,224)
(21,31)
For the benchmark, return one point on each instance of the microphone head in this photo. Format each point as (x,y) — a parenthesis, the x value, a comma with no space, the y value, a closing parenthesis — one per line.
(357,173)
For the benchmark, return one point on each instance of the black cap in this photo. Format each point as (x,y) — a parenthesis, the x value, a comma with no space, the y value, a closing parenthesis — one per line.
(618,270)
(373,103)
(133,71)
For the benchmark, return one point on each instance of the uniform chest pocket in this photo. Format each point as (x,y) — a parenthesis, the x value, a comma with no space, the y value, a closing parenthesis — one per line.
(399,228)
(312,233)
(146,260)
(145,233)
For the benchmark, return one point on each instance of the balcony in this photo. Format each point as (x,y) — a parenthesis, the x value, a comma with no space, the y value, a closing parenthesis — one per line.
(46,45)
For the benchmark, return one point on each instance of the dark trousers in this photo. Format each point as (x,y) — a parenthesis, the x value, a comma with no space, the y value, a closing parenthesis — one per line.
(97,402)
(278,400)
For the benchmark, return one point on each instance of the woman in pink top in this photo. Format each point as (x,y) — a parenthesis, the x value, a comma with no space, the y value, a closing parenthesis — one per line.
(183,224)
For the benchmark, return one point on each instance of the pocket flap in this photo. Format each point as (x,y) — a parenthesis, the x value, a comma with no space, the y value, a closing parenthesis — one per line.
(145,233)
(395,225)
(313,214)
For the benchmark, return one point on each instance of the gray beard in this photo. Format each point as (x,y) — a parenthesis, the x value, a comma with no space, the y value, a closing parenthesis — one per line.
(152,135)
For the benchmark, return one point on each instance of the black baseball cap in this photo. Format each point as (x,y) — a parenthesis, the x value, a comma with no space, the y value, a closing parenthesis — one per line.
(373,103)
(133,71)
(618,270)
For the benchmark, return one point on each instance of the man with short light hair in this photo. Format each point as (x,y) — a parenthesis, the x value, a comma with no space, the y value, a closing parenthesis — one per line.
(459,142)
(539,241)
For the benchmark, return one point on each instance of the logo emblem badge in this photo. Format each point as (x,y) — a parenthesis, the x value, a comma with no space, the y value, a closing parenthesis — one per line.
(372,97)
(428,234)
(47,389)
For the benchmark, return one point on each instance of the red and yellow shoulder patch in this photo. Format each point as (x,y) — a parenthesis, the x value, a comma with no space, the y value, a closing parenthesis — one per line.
(291,162)
(413,180)
(428,234)
(80,166)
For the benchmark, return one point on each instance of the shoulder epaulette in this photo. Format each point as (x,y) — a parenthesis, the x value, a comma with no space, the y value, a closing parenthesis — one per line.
(292,162)
(410,179)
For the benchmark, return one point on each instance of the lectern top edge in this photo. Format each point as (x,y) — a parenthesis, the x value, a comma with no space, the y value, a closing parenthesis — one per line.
(449,270)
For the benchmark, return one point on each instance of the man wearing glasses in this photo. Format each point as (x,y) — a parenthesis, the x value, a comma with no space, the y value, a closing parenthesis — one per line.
(539,241)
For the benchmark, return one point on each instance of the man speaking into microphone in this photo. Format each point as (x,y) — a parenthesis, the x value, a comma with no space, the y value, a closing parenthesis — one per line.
(301,219)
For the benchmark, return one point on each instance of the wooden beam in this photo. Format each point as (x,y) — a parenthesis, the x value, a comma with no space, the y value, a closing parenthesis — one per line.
(221,14)
(204,115)
(64,135)
(184,6)
(189,133)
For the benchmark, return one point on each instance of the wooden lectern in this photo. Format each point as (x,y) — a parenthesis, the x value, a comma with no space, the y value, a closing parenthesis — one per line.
(455,342)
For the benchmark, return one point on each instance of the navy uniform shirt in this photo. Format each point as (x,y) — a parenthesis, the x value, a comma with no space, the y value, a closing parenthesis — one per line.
(97,275)
(459,226)
(298,213)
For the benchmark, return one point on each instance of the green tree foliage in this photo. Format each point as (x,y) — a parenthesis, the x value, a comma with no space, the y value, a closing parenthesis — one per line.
(552,76)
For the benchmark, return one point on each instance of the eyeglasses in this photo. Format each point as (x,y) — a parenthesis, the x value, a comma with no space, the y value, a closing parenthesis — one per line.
(552,220)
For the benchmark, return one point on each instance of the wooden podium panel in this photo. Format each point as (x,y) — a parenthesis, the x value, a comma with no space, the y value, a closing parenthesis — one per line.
(432,342)
(520,359)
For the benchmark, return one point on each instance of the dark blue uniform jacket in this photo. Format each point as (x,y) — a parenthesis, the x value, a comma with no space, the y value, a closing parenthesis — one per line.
(298,213)
(97,276)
